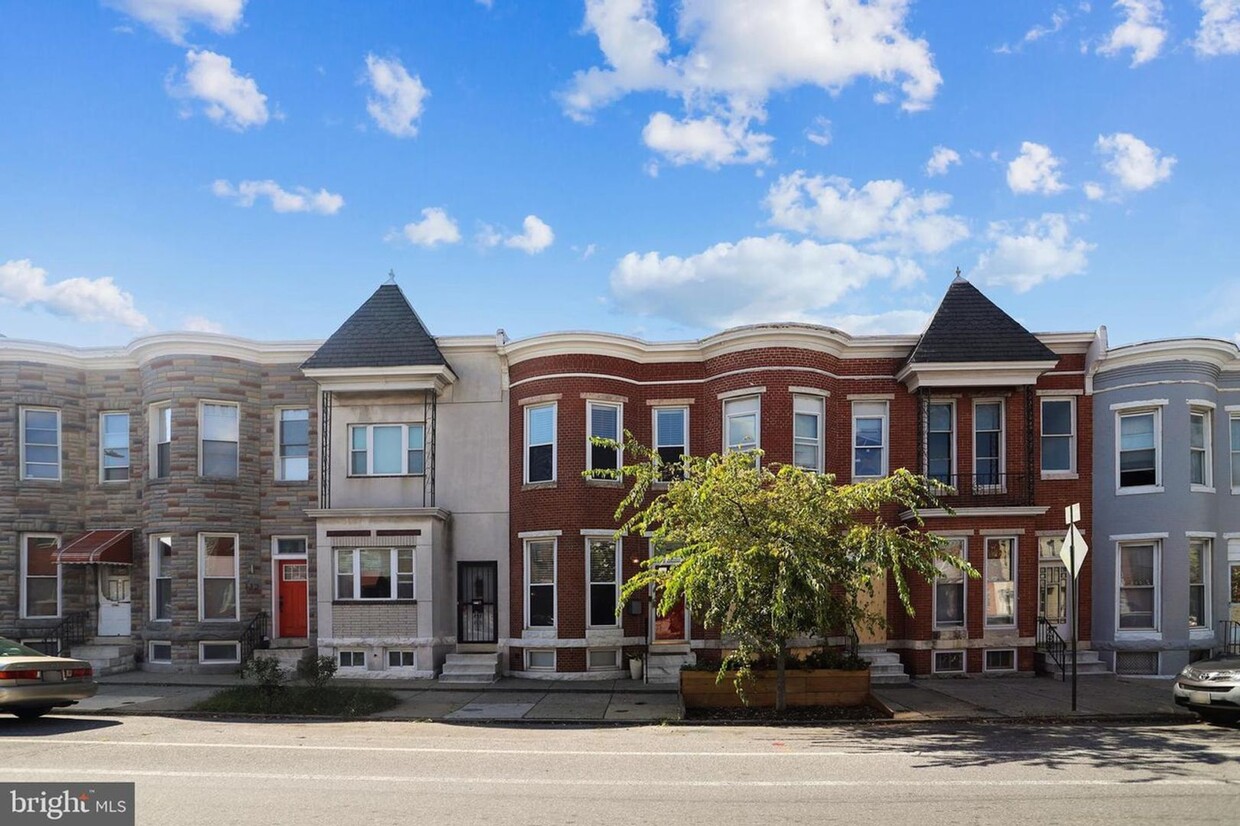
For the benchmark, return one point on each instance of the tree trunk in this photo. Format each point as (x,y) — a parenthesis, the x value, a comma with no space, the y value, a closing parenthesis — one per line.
(781,681)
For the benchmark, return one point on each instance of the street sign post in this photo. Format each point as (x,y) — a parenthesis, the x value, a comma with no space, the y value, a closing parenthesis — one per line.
(1073,544)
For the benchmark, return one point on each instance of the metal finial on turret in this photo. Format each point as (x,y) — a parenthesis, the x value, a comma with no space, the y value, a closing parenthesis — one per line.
(391,279)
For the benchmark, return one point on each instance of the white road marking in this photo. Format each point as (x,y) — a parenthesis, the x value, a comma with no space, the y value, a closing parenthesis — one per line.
(638,782)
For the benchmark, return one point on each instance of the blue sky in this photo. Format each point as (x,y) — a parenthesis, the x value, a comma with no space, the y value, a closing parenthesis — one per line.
(654,169)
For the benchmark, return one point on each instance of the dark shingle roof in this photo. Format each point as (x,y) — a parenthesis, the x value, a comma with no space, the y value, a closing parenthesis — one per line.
(969,327)
(383,332)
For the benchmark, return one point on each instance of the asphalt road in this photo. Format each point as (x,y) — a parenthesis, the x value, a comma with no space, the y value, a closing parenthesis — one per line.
(190,772)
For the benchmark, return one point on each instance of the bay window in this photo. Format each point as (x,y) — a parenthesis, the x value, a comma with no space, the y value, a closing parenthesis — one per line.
(374,573)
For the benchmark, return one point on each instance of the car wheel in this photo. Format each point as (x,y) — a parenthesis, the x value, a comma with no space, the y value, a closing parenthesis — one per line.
(30,713)
(1219,718)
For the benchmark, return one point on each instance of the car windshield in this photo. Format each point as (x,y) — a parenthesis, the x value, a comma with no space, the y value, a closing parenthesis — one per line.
(8,648)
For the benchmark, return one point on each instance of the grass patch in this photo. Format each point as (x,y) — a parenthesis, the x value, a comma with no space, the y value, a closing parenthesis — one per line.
(327,701)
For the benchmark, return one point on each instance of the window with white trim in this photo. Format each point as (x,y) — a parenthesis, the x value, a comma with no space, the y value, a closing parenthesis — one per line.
(290,546)
(1138,447)
(374,574)
(1234,424)
(1201,474)
(807,432)
(941,441)
(220,653)
(1000,580)
(604,562)
(988,444)
(1138,585)
(219,575)
(1000,659)
(40,576)
(540,443)
(1199,583)
(161,577)
(949,588)
(671,438)
(40,443)
(293,445)
(402,658)
(869,439)
(159,651)
(161,436)
(605,422)
(947,662)
(219,432)
(540,659)
(113,447)
(351,659)
(540,583)
(741,424)
(387,449)
(1059,435)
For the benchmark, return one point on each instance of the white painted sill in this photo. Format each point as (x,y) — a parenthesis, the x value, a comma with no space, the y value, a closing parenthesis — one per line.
(1203,489)
(1140,490)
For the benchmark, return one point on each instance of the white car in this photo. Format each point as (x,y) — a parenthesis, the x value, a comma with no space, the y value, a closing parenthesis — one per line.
(1211,688)
(32,683)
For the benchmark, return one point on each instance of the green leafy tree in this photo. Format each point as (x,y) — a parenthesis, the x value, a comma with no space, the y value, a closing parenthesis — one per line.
(770,554)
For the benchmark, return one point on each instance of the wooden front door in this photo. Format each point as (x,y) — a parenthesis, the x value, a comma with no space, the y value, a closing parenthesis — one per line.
(669,627)
(293,597)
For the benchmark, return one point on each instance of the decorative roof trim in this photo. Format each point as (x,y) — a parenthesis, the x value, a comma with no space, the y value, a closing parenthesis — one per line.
(161,345)
(972,373)
(1216,352)
(434,377)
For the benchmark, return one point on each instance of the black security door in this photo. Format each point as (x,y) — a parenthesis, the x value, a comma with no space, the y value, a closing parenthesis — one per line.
(475,602)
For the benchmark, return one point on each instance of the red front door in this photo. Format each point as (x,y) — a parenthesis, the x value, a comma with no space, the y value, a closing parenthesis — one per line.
(292,598)
(671,626)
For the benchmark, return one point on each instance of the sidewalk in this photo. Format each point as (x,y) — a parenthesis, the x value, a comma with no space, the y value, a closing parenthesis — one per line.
(509,699)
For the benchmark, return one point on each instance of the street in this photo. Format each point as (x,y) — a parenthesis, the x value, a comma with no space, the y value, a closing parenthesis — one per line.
(194,771)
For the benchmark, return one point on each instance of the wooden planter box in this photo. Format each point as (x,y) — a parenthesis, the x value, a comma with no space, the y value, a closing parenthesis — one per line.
(818,687)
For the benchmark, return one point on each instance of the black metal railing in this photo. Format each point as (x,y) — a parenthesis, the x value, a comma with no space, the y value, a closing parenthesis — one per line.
(1052,646)
(1229,637)
(981,490)
(72,629)
(255,637)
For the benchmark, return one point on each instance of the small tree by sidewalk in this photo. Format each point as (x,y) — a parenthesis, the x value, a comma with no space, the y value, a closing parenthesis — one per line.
(769,554)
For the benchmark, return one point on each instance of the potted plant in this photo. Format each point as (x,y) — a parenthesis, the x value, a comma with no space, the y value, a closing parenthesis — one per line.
(635,666)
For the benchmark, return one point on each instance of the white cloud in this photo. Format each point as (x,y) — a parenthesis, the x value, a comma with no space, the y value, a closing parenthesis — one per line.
(1023,256)
(1034,170)
(398,98)
(941,160)
(737,53)
(435,228)
(885,214)
(753,280)
(589,251)
(301,199)
(888,323)
(1219,32)
(1134,164)
(201,324)
(228,97)
(81,299)
(1143,30)
(1058,18)
(172,18)
(535,237)
(819,132)
(1094,191)
(705,140)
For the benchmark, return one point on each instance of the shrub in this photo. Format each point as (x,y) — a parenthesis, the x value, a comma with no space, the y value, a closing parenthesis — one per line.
(317,671)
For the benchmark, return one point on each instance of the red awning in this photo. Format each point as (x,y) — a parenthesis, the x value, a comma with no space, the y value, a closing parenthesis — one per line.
(110,547)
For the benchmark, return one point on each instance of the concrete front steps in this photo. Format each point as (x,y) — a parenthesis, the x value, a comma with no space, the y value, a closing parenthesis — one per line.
(287,651)
(1088,664)
(471,668)
(663,667)
(106,655)
(885,666)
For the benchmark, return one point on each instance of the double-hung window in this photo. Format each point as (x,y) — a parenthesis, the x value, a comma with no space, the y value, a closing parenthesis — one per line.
(741,425)
(540,583)
(387,449)
(807,435)
(1138,586)
(949,589)
(941,441)
(293,461)
(1000,581)
(40,447)
(671,437)
(605,421)
(1201,474)
(219,426)
(161,436)
(40,577)
(1058,436)
(869,439)
(1138,460)
(161,577)
(218,577)
(540,443)
(374,573)
(1234,426)
(604,561)
(113,447)
(988,445)
(1199,583)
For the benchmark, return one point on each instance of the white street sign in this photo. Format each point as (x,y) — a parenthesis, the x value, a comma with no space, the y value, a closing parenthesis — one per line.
(1072,513)
(1081,549)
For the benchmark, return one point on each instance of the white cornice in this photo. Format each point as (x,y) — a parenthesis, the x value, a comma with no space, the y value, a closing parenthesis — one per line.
(1216,352)
(162,345)
(1067,343)
(434,377)
(972,373)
